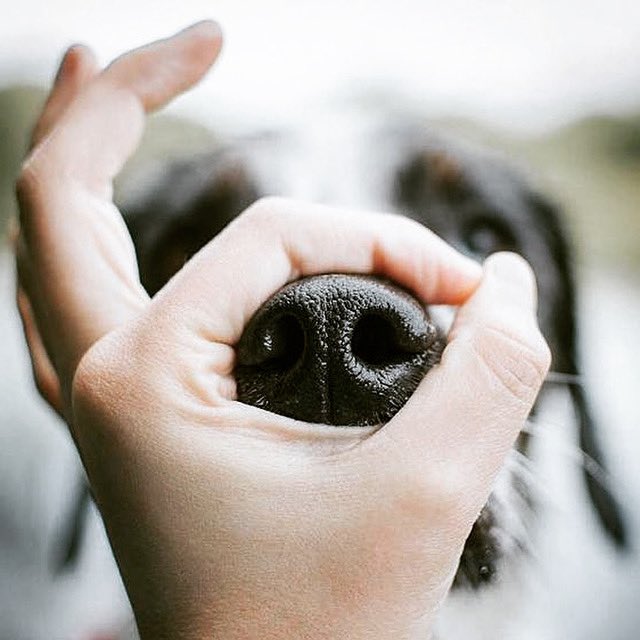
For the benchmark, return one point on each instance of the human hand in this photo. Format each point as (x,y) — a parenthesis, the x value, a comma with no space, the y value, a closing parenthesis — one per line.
(225,520)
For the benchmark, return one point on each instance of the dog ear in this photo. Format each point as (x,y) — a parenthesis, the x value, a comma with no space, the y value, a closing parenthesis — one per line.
(566,360)
(598,488)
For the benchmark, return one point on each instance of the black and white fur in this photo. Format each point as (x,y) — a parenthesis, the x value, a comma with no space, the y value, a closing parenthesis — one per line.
(474,199)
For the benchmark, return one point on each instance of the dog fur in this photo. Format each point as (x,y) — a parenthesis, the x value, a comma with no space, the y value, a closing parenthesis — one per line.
(476,200)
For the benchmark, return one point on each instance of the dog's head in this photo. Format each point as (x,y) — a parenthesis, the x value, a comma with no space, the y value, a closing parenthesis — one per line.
(472,198)
(469,196)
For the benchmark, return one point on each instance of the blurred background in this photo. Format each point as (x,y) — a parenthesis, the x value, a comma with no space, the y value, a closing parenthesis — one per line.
(555,83)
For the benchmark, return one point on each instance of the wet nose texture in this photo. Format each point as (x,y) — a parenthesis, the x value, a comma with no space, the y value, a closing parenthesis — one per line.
(336,349)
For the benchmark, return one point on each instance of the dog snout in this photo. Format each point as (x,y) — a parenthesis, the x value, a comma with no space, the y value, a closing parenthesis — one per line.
(336,349)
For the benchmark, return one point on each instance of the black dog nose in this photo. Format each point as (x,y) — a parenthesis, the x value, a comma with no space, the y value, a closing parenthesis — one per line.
(336,349)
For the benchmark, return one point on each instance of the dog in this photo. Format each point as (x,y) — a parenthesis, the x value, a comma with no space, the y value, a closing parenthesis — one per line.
(474,198)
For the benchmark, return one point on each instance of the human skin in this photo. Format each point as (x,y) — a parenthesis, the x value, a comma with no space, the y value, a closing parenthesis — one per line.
(227,521)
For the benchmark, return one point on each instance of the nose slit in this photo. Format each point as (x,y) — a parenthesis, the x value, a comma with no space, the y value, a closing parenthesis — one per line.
(283,343)
(374,341)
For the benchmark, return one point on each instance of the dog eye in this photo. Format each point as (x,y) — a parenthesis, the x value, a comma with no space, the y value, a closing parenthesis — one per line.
(483,236)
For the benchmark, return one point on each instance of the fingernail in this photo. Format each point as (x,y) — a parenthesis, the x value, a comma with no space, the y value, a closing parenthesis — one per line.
(208,27)
(514,273)
(66,63)
(472,268)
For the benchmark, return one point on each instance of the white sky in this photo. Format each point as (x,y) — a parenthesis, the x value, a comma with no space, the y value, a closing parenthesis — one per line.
(518,63)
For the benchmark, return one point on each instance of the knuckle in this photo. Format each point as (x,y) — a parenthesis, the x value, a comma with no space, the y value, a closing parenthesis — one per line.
(517,363)
(424,487)
(99,379)
(86,379)
(39,175)
(449,487)
(431,490)
(42,384)
(265,211)
(269,204)
(34,186)
(28,180)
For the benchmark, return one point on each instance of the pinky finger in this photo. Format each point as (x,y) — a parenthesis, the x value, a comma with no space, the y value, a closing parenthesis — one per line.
(44,374)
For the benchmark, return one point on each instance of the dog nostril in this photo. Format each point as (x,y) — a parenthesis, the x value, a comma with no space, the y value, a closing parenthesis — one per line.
(275,345)
(281,344)
(380,340)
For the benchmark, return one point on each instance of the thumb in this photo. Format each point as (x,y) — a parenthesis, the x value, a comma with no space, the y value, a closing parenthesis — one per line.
(468,411)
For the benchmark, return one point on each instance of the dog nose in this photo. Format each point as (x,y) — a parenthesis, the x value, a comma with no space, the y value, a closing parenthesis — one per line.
(336,349)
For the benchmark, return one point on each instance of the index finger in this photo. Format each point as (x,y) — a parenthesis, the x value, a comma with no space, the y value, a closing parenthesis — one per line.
(278,240)
(75,241)
(95,135)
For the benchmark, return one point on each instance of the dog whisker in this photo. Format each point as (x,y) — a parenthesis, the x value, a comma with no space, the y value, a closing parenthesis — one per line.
(526,479)
(558,377)
(512,505)
(572,451)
